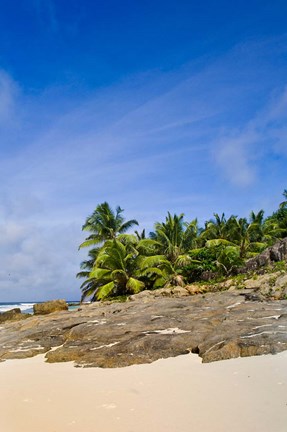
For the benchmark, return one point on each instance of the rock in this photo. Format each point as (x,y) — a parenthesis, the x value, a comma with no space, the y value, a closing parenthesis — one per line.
(282,280)
(162,292)
(217,326)
(13,315)
(208,275)
(49,307)
(180,291)
(178,281)
(221,352)
(195,289)
(270,285)
(275,253)
(226,284)
(278,252)
(142,296)
(253,297)
(255,283)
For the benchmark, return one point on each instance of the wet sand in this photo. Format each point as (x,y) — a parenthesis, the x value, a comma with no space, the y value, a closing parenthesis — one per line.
(173,395)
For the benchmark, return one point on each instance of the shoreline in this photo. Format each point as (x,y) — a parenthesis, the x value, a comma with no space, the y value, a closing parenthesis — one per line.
(179,393)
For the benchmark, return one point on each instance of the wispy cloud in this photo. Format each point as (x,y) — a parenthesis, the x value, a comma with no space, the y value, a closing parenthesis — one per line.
(234,155)
(239,153)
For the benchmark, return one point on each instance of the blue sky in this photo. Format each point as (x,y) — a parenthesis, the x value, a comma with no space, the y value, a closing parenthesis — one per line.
(176,106)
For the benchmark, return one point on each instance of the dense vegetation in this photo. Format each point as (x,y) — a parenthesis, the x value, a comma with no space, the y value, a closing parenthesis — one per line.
(177,252)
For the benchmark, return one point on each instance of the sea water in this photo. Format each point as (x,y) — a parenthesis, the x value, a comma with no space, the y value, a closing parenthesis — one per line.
(27,307)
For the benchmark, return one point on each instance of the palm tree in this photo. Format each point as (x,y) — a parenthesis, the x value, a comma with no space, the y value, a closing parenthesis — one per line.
(242,235)
(105,224)
(258,220)
(87,265)
(114,270)
(121,269)
(175,237)
(140,235)
(279,220)
(257,217)
(217,228)
(86,268)
(173,240)
(264,230)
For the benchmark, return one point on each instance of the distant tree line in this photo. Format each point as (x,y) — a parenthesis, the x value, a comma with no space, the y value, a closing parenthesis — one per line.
(177,252)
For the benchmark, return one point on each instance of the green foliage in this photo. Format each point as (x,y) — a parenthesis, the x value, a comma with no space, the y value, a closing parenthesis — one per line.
(120,269)
(204,261)
(105,224)
(175,253)
(238,279)
(218,255)
(280,266)
(279,219)
(114,269)
(174,236)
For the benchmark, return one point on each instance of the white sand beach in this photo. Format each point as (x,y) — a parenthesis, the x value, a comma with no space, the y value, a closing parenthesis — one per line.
(173,395)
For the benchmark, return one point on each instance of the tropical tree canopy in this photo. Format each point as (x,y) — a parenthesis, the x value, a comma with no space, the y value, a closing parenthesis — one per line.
(121,269)
(175,236)
(177,252)
(105,224)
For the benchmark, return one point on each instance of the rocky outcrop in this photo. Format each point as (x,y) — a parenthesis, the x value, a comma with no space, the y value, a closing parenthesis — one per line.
(214,325)
(275,253)
(49,307)
(268,286)
(13,315)
(177,291)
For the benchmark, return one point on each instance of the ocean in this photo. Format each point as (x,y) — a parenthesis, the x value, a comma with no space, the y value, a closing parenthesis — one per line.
(27,307)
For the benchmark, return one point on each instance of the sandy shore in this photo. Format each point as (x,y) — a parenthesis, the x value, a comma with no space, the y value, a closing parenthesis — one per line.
(173,395)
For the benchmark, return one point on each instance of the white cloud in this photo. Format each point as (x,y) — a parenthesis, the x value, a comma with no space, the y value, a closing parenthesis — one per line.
(39,262)
(236,158)
(239,154)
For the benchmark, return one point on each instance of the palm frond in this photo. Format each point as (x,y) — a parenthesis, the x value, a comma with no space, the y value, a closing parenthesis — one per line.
(151,261)
(184,260)
(105,291)
(99,273)
(88,243)
(127,225)
(218,242)
(135,285)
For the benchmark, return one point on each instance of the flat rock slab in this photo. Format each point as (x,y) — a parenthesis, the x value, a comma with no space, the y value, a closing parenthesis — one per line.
(216,326)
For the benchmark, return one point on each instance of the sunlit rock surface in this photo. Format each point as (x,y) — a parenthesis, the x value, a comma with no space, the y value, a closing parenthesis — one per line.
(215,325)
